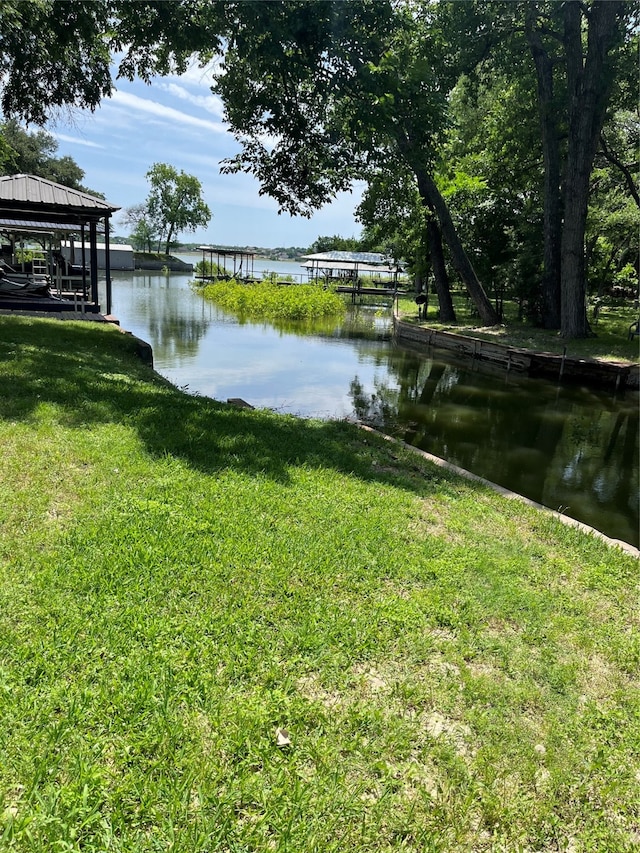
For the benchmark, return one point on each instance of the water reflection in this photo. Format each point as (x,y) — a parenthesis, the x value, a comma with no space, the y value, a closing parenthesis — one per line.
(175,325)
(569,448)
(574,450)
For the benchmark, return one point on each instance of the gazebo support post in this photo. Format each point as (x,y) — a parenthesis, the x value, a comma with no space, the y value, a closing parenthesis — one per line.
(107,262)
(93,261)
(84,262)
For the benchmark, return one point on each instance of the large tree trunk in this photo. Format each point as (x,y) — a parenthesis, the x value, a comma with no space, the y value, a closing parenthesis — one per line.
(552,218)
(589,85)
(431,197)
(447,312)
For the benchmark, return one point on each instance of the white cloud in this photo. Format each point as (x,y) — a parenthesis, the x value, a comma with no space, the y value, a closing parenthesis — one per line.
(168,114)
(210,103)
(76,140)
(198,76)
(174,120)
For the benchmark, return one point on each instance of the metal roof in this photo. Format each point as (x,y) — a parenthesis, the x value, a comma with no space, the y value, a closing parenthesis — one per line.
(221,251)
(26,225)
(351,257)
(350,266)
(29,192)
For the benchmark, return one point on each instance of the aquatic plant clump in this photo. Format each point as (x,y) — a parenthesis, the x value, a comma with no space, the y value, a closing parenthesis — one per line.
(275,302)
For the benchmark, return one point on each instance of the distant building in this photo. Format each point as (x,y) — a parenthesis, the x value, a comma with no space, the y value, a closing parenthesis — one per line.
(120,254)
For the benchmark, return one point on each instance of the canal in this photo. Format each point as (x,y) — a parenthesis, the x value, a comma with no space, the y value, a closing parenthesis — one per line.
(570,448)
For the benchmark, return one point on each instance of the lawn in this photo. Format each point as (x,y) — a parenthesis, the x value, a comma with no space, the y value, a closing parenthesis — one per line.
(231,630)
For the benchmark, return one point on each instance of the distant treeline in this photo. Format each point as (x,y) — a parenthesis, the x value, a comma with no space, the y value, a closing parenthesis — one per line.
(279,253)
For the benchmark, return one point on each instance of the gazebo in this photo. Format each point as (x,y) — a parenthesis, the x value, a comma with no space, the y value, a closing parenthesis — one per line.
(33,209)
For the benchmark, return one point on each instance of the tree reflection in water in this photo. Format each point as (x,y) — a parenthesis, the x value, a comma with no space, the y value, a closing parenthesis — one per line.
(571,449)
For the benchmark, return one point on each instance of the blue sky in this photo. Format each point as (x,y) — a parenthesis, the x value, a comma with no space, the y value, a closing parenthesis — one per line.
(177,120)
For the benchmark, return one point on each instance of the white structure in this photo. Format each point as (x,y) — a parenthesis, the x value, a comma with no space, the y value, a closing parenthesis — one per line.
(350,265)
(120,254)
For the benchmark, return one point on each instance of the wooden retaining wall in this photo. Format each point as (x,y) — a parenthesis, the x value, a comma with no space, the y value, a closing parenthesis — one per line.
(540,364)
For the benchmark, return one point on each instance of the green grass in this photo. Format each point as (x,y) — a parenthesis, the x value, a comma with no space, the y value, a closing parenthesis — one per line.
(179,579)
(268,300)
(610,341)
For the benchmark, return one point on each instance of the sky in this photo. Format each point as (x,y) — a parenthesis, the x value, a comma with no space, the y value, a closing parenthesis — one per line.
(177,120)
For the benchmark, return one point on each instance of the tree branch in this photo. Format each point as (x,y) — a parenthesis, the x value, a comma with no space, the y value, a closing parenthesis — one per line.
(628,177)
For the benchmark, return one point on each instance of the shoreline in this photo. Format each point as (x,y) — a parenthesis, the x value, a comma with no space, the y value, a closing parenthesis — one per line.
(550,366)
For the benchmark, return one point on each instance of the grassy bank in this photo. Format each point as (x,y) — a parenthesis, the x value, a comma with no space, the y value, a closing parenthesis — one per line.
(610,341)
(180,580)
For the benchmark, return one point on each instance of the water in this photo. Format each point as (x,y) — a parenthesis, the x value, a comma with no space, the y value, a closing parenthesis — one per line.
(571,449)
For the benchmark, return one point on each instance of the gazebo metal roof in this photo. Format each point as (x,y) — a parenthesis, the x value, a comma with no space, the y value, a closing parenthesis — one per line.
(29,193)
(243,255)
(28,225)
(349,265)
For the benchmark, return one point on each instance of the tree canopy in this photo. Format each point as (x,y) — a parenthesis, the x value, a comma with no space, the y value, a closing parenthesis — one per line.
(174,203)
(365,85)
(62,53)
(370,87)
(486,132)
(34,153)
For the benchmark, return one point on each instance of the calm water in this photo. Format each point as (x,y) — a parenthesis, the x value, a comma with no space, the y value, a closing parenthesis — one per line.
(572,449)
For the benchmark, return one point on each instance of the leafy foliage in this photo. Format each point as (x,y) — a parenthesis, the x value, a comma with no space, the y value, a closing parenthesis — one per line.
(53,55)
(33,153)
(174,203)
(145,229)
(479,121)
(58,53)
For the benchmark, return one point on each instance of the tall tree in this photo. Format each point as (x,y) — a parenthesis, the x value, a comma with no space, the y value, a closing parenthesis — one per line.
(544,49)
(575,49)
(336,89)
(175,202)
(393,214)
(491,169)
(613,223)
(589,82)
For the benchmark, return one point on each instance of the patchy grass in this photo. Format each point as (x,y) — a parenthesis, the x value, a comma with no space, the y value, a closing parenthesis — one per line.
(180,579)
(610,341)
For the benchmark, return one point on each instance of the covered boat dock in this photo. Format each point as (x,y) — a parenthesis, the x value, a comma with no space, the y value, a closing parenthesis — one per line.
(349,269)
(36,217)
(241,259)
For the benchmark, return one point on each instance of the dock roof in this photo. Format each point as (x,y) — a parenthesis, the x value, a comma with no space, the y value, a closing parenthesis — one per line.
(373,258)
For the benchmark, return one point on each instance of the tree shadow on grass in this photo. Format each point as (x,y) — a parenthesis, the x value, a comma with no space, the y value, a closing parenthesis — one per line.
(91,375)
